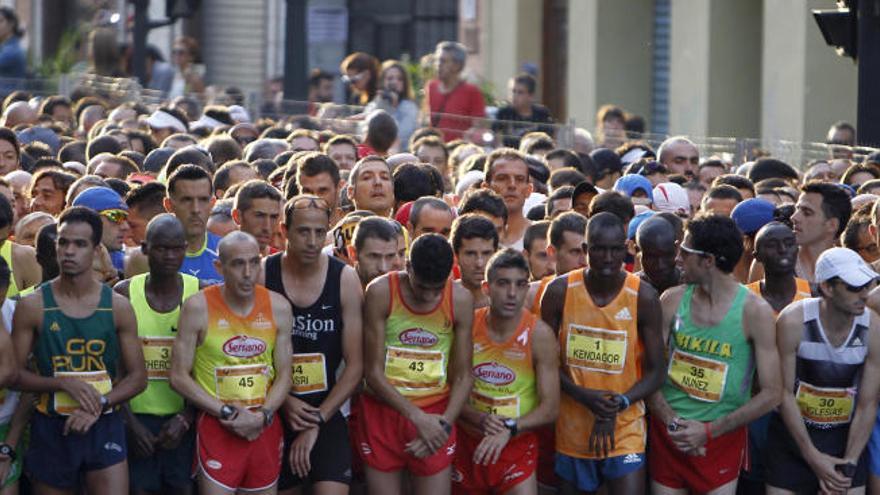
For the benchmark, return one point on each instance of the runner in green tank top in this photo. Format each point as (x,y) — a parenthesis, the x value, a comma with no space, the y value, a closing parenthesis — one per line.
(159,425)
(82,335)
(22,260)
(716,332)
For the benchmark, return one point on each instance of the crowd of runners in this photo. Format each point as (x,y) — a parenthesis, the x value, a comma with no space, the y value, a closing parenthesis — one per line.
(196,302)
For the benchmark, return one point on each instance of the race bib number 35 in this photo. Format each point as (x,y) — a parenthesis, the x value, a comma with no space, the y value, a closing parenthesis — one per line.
(244,385)
(309,373)
(507,407)
(157,356)
(699,377)
(414,370)
(825,406)
(596,349)
(100,380)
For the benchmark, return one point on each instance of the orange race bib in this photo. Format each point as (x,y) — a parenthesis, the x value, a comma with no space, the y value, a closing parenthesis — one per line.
(100,380)
(701,378)
(309,373)
(243,385)
(507,407)
(825,406)
(596,349)
(157,356)
(415,370)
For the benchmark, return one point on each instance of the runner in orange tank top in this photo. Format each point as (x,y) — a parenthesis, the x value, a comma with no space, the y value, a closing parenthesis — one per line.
(608,322)
(230,361)
(516,387)
(417,360)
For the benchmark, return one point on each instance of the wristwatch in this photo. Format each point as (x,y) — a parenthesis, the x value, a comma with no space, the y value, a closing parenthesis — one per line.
(227,412)
(847,469)
(105,403)
(268,417)
(511,425)
(8,451)
(622,402)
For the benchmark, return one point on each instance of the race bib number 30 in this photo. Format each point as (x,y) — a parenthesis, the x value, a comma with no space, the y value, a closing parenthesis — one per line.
(699,377)
(244,385)
(157,356)
(414,370)
(596,349)
(825,406)
(507,407)
(309,373)
(100,380)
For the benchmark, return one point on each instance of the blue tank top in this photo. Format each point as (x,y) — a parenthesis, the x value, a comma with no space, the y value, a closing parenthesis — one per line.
(201,263)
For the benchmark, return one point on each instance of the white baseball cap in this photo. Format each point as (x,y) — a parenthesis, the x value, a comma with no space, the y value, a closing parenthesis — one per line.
(673,198)
(844,264)
(164,120)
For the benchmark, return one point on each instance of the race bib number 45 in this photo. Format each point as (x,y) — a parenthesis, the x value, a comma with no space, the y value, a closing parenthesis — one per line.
(244,385)
(100,380)
(309,373)
(701,378)
(596,349)
(825,406)
(414,370)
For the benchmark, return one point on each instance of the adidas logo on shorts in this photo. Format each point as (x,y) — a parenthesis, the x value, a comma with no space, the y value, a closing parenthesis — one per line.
(632,458)
(113,446)
(623,314)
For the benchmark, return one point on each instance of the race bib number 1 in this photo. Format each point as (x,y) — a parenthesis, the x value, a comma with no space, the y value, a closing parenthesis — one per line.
(244,385)
(415,370)
(309,373)
(596,349)
(701,378)
(825,406)
(100,380)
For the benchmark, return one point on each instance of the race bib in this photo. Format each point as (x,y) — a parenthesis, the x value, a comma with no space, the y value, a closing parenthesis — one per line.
(701,378)
(596,349)
(507,407)
(309,373)
(100,380)
(157,356)
(245,385)
(825,406)
(415,370)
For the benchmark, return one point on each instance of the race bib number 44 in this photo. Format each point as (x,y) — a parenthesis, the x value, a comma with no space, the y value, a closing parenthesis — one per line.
(244,385)
(414,370)
(309,373)
(825,406)
(701,378)
(596,349)
(100,380)
(157,356)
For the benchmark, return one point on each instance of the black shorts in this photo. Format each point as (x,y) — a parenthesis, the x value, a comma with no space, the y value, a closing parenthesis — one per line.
(60,461)
(330,458)
(165,468)
(786,467)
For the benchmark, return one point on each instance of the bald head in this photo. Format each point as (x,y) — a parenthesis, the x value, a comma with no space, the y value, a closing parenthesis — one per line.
(164,226)
(655,232)
(236,241)
(771,230)
(19,113)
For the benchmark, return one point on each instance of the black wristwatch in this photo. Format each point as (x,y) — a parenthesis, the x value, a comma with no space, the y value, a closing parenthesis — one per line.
(268,417)
(105,403)
(511,425)
(8,451)
(847,469)
(227,412)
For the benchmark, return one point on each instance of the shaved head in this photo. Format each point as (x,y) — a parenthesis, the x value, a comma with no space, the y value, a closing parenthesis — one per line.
(236,238)
(165,225)
(655,231)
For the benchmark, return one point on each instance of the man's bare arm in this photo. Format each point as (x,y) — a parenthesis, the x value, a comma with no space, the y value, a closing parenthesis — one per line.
(135,379)
(545,354)
(8,363)
(650,321)
(25,327)
(869,388)
(669,302)
(191,326)
(282,357)
(27,270)
(462,356)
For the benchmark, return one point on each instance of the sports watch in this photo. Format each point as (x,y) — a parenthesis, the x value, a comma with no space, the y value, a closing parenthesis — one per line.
(227,412)
(511,425)
(8,451)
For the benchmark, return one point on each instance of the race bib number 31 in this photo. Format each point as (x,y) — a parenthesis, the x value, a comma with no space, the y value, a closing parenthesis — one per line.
(100,380)
(596,349)
(244,385)
(414,370)
(825,406)
(157,356)
(699,377)
(309,373)
(507,407)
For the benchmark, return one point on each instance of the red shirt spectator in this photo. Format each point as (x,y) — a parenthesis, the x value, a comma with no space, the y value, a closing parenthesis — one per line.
(450,111)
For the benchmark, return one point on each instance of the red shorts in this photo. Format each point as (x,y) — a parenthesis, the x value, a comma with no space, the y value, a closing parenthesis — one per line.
(674,469)
(516,464)
(547,456)
(382,434)
(235,463)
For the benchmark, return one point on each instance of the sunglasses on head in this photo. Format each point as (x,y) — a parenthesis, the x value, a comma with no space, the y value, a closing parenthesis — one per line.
(115,215)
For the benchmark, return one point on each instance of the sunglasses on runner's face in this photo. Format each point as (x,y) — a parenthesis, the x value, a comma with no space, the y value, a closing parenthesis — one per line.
(115,216)
(691,250)
(855,289)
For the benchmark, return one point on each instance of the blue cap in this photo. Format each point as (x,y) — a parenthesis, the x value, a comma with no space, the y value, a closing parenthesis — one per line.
(629,184)
(752,214)
(100,199)
(636,221)
(42,134)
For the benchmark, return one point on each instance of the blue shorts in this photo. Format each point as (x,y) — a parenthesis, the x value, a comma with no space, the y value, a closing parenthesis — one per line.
(589,474)
(874,447)
(165,468)
(58,460)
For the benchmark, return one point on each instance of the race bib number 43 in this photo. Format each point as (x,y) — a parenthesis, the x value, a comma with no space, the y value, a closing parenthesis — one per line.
(596,349)
(825,406)
(699,377)
(309,373)
(157,356)
(100,380)
(244,385)
(414,370)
